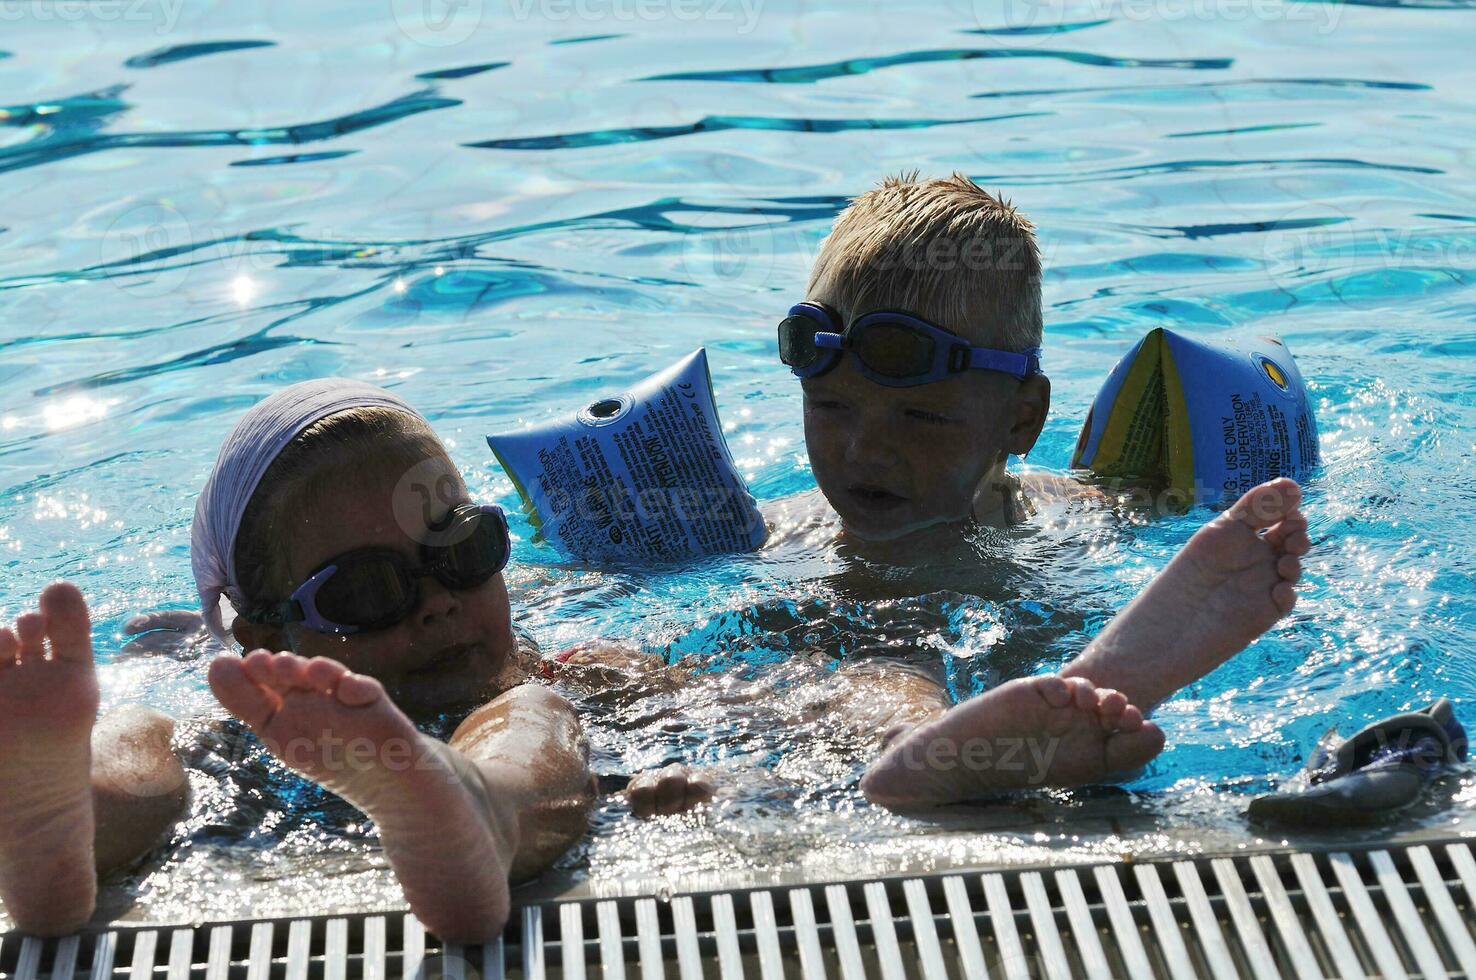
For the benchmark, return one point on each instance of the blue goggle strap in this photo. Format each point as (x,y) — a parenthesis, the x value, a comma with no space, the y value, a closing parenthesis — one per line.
(1022,365)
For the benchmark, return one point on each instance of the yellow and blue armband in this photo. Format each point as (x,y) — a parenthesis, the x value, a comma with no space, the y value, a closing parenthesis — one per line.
(643,476)
(1205,419)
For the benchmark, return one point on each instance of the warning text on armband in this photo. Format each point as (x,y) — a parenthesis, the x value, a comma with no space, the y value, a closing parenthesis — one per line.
(659,488)
(1257,443)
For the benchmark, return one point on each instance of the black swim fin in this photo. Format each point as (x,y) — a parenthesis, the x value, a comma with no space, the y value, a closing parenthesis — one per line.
(1381,769)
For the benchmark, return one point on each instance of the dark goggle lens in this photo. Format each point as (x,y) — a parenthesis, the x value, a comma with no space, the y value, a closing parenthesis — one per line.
(478,551)
(894,350)
(797,341)
(364,591)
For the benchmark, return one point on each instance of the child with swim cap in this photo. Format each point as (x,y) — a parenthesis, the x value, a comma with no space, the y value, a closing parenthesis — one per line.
(338,530)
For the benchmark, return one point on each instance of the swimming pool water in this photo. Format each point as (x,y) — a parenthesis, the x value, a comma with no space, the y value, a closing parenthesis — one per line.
(502,210)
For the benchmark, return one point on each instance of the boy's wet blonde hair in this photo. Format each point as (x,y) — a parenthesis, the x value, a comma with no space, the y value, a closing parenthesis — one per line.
(946,250)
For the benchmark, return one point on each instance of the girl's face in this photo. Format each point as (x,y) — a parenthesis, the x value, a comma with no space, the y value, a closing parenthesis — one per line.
(455,647)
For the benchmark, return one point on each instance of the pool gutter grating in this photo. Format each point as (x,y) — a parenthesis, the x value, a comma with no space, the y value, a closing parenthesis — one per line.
(1390,911)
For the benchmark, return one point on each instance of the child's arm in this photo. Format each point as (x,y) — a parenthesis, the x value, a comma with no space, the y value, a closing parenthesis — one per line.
(530,750)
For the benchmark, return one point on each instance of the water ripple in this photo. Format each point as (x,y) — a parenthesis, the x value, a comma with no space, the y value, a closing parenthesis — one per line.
(585,39)
(63,113)
(1188,166)
(1237,227)
(714,124)
(1239,130)
(463,72)
(55,147)
(294,158)
(1411,4)
(1228,84)
(807,74)
(224,353)
(184,52)
(1067,28)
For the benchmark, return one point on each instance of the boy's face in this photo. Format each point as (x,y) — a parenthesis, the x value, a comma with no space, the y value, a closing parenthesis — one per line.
(896,460)
(455,647)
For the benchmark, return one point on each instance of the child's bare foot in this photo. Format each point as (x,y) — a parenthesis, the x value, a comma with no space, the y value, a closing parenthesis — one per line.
(449,840)
(48,703)
(1027,733)
(676,788)
(1230,583)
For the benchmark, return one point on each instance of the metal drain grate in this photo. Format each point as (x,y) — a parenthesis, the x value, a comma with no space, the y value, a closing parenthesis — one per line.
(1392,912)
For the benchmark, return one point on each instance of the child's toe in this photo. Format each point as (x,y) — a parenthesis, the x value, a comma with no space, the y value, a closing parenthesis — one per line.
(1110,706)
(1055,690)
(291,671)
(1295,523)
(1284,595)
(9,646)
(1289,567)
(239,694)
(357,691)
(323,674)
(30,628)
(1131,719)
(258,666)
(1265,505)
(1129,750)
(67,622)
(1083,694)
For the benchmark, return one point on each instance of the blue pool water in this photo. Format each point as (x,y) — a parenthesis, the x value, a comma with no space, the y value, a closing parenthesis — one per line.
(507,210)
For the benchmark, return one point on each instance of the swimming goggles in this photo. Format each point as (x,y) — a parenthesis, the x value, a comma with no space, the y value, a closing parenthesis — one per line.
(892,348)
(375,588)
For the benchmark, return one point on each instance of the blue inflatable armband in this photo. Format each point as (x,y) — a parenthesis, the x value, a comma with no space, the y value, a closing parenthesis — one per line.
(643,476)
(1205,419)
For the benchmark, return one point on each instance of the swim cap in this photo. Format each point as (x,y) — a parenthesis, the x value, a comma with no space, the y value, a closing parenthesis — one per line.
(260,435)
